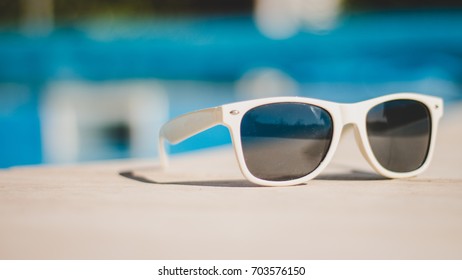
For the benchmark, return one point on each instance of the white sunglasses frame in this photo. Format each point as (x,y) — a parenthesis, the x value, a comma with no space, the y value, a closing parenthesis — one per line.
(342,114)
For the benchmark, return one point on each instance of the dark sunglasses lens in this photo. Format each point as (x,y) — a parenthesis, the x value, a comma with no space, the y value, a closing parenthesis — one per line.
(399,134)
(285,141)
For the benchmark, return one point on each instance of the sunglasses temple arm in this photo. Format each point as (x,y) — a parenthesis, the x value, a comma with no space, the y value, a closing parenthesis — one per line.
(186,126)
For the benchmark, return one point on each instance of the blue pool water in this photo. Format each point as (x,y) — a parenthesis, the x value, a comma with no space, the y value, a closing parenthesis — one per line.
(365,55)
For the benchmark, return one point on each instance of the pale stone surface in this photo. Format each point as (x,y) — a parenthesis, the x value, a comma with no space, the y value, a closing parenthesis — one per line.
(204,209)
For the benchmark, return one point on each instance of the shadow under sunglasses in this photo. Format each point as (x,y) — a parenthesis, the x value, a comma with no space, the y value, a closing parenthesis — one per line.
(139,175)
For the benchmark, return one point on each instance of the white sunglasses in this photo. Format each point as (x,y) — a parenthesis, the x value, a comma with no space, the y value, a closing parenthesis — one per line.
(285,141)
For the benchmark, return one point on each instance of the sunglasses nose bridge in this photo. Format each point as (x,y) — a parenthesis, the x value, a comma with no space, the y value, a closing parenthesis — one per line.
(350,113)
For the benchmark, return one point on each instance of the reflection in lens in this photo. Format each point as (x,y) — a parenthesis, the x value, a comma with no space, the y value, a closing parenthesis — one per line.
(285,141)
(399,134)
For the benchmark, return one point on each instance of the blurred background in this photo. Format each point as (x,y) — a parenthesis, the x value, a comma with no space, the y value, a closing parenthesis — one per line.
(88,80)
